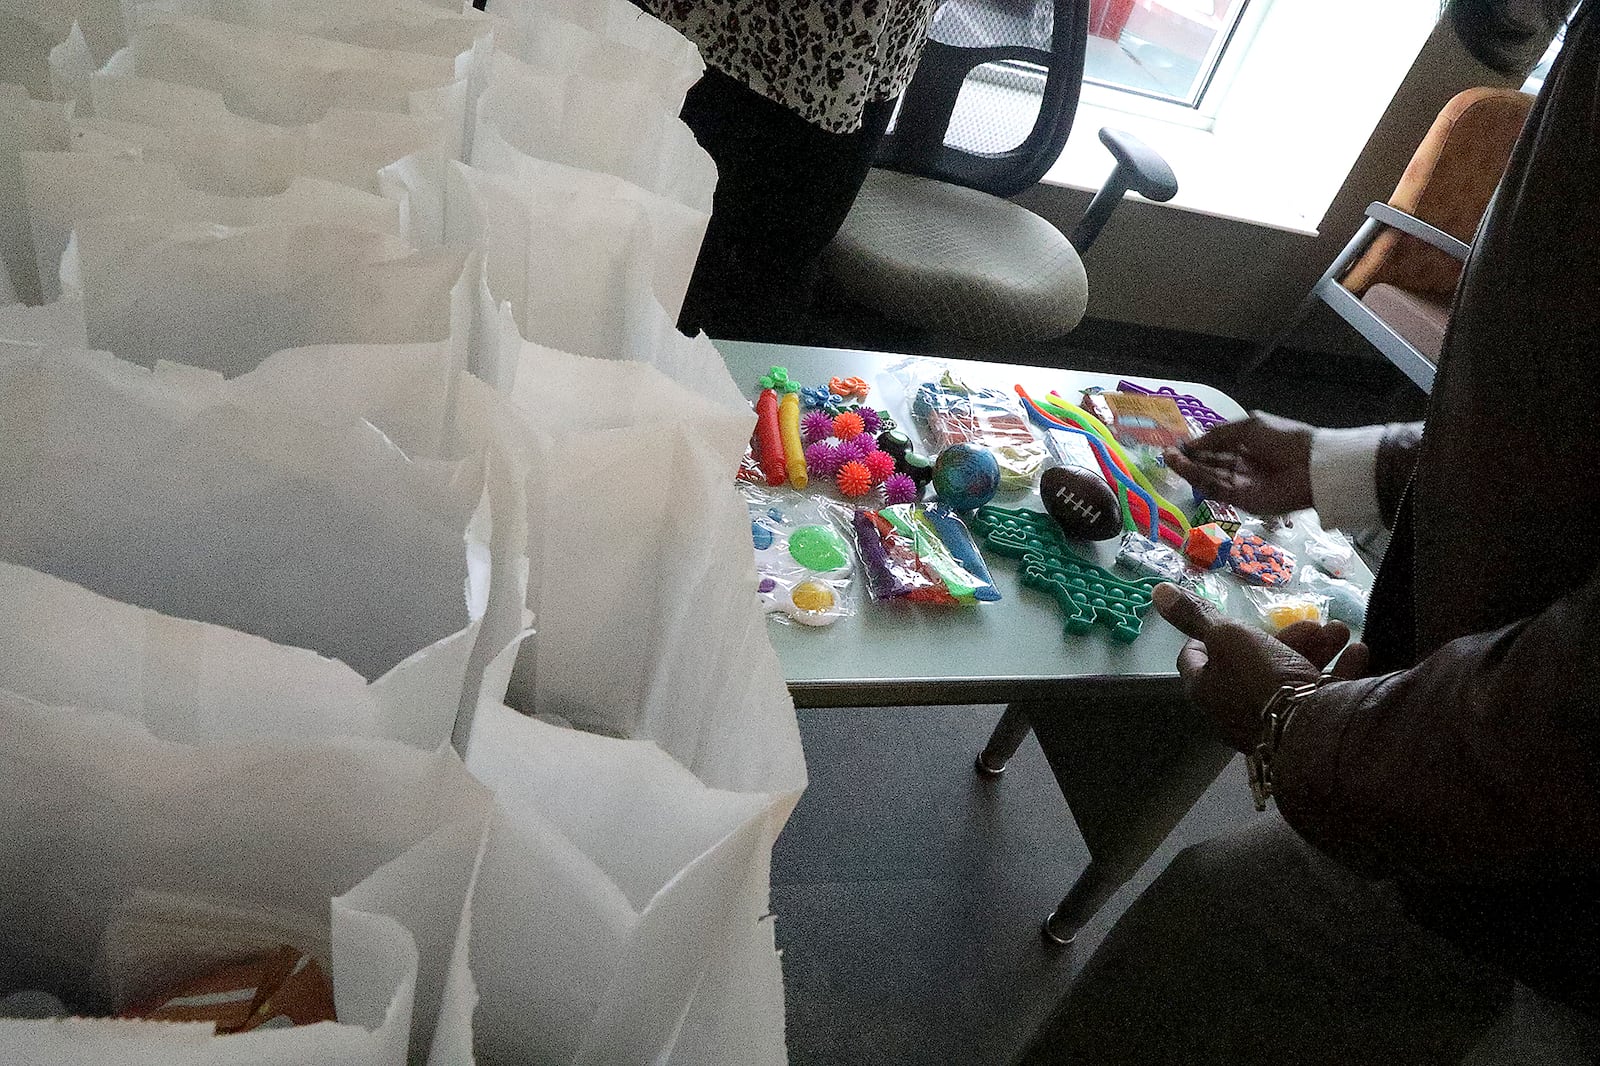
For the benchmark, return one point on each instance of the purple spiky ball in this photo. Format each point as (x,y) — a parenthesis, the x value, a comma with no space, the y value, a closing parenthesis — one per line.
(899,488)
(857,447)
(815,426)
(823,459)
(870,419)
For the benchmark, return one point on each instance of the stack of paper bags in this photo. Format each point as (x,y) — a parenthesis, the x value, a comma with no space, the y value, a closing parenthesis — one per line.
(321,527)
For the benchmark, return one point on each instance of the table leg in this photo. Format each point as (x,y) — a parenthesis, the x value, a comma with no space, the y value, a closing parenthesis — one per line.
(1008,735)
(1130,766)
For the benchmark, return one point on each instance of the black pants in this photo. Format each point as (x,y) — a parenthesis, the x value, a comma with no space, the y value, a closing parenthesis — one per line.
(784,187)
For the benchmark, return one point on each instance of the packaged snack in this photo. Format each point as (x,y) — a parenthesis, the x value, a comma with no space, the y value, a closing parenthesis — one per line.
(285,988)
(950,411)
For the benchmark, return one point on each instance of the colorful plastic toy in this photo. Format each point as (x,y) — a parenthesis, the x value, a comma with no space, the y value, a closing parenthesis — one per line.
(769,438)
(918,468)
(1193,408)
(1220,513)
(899,488)
(849,387)
(1254,560)
(778,380)
(966,476)
(871,419)
(813,397)
(880,464)
(847,425)
(855,479)
(959,541)
(794,453)
(858,447)
(1208,546)
(1087,594)
(914,526)
(815,426)
(895,443)
(819,548)
(823,459)
(1128,491)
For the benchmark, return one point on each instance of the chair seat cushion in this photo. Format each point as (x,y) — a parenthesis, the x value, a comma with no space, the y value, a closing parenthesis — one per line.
(1418,319)
(955,260)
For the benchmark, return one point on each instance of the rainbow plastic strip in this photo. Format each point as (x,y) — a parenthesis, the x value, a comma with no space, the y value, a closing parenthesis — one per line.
(1125,485)
(1061,408)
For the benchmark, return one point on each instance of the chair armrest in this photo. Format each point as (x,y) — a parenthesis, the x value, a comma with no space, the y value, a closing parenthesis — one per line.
(1419,229)
(1140,168)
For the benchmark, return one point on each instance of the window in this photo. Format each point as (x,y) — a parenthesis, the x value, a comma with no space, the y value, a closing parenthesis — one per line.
(1167,50)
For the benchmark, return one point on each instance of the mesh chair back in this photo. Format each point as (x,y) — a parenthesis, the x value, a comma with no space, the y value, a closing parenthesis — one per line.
(993,98)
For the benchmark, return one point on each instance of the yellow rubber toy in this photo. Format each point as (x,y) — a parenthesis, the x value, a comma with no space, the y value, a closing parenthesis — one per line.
(794,453)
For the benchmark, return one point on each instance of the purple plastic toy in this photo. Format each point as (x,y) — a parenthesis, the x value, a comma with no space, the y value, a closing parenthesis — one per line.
(899,488)
(870,419)
(1192,407)
(823,459)
(815,426)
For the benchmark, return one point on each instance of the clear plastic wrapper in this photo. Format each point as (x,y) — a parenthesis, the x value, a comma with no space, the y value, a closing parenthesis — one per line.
(1346,601)
(1254,561)
(1144,556)
(922,553)
(804,561)
(949,411)
(1331,552)
(1280,608)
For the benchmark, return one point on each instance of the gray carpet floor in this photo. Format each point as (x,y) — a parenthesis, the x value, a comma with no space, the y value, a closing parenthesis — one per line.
(908,890)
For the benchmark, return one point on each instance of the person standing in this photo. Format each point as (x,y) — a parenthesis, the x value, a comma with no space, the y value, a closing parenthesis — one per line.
(1440,787)
(795,99)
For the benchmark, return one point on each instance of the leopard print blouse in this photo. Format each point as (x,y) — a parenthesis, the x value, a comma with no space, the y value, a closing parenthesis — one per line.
(824,59)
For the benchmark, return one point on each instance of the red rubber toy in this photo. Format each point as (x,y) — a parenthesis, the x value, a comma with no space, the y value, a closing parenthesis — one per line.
(880,465)
(770,437)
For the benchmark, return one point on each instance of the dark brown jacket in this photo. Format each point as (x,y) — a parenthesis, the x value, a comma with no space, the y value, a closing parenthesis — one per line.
(1469,770)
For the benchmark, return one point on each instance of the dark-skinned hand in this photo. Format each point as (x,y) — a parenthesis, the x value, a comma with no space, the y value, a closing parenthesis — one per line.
(1230,670)
(1262,464)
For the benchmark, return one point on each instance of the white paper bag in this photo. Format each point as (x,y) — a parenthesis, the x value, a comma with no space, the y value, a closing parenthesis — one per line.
(220,152)
(291,79)
(224,298)
(66,189)
(128,863)
(392,25)
(612,43)
(622,129)
(543,193)
(25,125)
(155,491)
(644,879)
(58,324)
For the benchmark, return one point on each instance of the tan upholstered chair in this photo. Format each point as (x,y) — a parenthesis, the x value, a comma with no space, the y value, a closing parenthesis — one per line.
(1394,282)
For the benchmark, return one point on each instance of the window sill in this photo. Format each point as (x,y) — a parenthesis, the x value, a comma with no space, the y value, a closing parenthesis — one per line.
(1214,178)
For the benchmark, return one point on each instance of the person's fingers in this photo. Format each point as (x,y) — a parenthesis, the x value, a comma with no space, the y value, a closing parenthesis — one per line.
(1192,659)
(1356,662)
(1317,642)
(1230,436)
(1191,615)
(1204,477)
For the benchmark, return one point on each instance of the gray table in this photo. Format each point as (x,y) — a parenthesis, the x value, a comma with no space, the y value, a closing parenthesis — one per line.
(1129,754)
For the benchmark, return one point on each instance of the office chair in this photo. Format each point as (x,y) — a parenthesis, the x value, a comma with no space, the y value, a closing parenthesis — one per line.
(931,241)
(1395,280)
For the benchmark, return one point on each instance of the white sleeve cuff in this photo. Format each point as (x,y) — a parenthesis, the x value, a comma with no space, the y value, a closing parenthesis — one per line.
(1344,483)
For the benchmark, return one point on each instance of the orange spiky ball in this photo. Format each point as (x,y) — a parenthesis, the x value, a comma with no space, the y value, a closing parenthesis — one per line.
(855,479)
(847,425)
